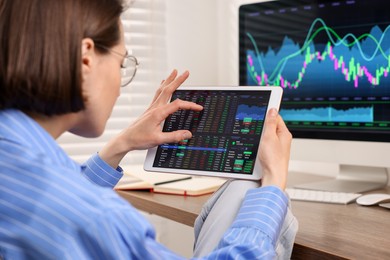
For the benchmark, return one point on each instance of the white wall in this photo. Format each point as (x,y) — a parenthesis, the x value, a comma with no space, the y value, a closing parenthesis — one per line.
(227,38)
(192,39)
(203,37)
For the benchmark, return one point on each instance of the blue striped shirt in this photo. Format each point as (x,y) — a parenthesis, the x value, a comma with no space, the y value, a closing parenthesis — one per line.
(53,208)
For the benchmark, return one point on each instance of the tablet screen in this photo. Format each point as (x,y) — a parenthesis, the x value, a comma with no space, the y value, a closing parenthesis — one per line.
(226,133)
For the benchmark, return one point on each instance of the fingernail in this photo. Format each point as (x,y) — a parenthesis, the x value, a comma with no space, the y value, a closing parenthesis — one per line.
(187,135)
(273,112)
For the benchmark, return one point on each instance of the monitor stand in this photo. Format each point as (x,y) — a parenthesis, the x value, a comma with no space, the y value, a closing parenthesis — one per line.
(352,178)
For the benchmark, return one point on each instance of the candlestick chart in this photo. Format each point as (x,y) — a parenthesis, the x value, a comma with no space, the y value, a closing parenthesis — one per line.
(350,61)
(331,78)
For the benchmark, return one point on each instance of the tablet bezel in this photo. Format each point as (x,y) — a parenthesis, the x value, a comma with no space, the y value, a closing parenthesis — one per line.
(274,102)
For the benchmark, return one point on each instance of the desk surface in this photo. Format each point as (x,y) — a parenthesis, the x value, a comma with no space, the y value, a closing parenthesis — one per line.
(325,230)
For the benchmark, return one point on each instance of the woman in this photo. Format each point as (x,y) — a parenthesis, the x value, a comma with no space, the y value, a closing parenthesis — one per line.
(60,70)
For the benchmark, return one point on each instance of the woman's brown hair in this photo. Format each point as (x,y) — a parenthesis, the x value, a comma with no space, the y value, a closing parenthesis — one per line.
(40,50)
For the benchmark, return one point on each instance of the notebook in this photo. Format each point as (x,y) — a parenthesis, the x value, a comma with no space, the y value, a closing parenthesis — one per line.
(138,179)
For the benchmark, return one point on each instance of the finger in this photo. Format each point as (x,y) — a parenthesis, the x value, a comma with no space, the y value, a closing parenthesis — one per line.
(158,91)
(170,78)
(271,121)
(282,131)
(281,126)
(164,83)
(164,93)
(176,105)
(168,90)
(175,136)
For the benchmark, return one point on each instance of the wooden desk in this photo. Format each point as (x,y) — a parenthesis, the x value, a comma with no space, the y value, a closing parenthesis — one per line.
(326,231)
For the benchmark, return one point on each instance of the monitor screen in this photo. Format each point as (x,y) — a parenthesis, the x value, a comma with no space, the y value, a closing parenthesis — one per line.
(332,59)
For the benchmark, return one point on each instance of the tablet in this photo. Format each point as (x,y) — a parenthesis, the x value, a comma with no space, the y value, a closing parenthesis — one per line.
(226,133)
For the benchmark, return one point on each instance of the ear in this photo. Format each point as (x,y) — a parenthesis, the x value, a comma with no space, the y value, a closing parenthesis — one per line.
(87,56)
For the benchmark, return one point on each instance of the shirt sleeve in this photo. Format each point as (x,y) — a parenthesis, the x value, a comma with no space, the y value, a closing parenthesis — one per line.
(100,173)
(254,232)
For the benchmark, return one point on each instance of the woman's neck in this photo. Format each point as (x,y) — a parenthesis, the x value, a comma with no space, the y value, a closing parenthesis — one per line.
(54,125)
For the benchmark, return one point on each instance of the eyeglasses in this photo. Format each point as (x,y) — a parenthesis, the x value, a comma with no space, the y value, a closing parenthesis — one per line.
(129,66)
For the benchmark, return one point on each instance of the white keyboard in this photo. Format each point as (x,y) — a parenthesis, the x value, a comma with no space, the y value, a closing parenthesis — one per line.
(322,196)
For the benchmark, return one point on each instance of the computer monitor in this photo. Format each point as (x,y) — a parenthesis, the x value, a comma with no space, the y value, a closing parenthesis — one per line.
(333,60)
